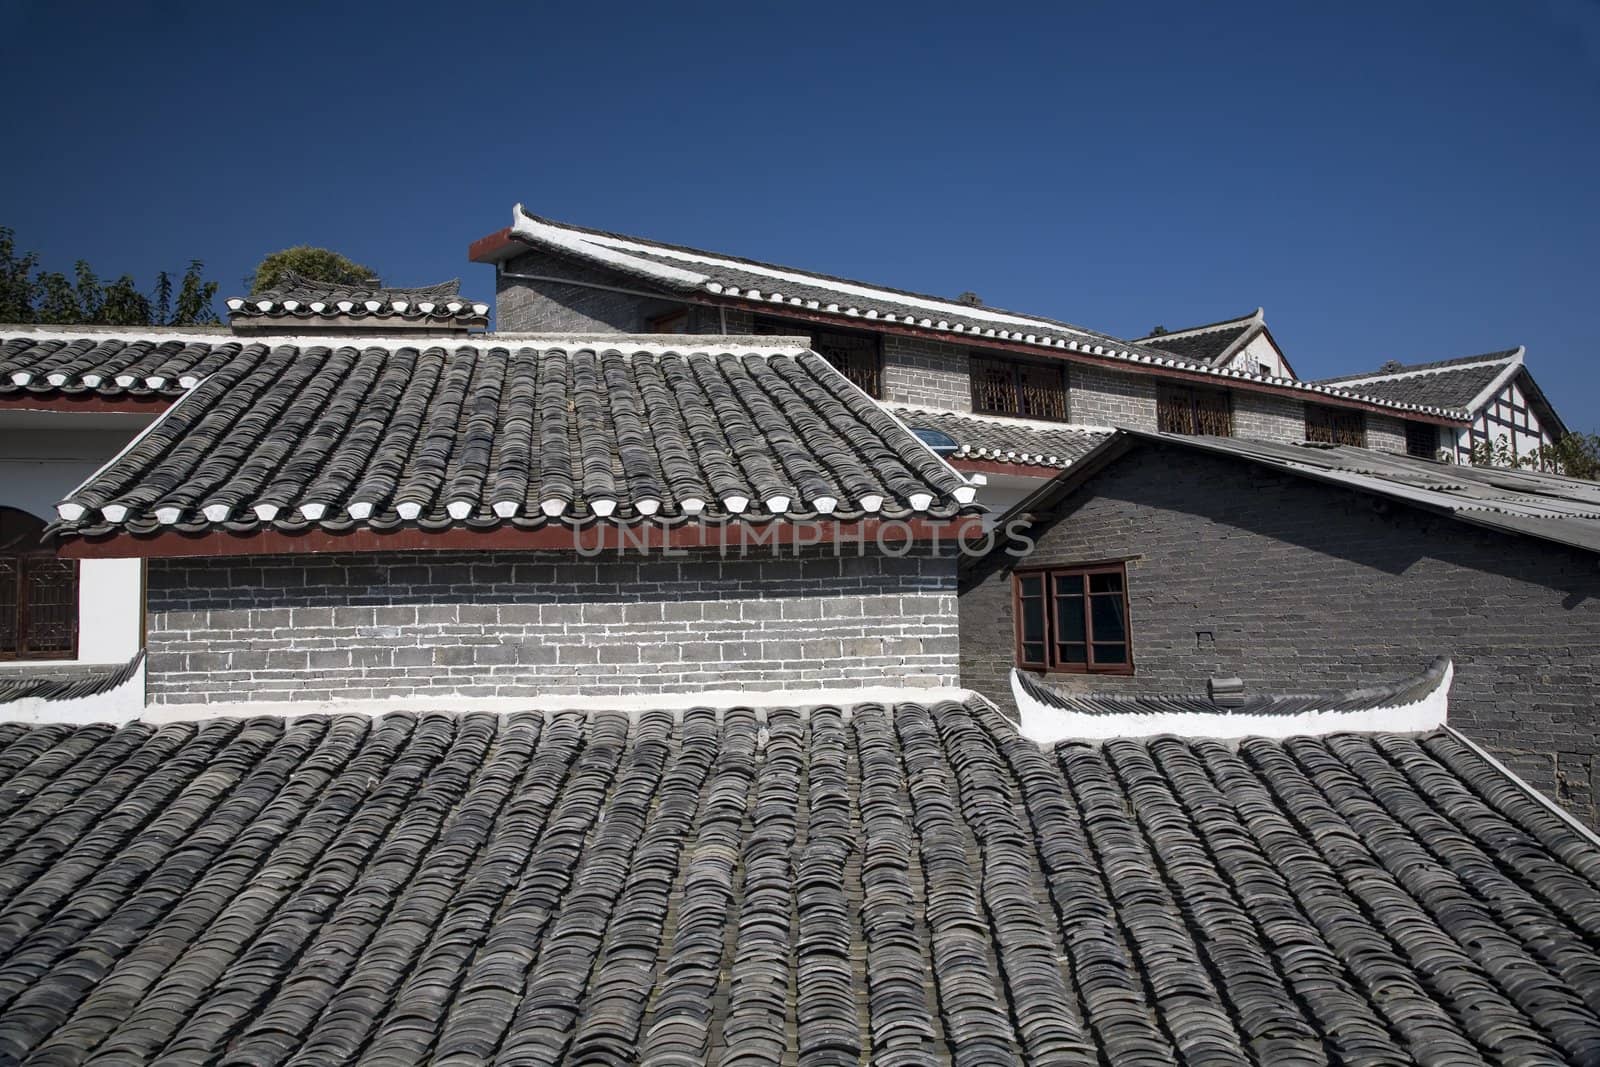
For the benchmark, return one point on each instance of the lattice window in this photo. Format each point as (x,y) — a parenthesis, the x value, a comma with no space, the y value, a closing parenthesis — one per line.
(38,593)
(1422,439)
(1187,410)
(858,356)
(1331,426)
(1014,387)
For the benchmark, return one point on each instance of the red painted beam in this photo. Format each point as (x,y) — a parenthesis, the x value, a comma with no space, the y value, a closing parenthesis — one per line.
(486,249)
(125,403)
(970,465)
(589,541)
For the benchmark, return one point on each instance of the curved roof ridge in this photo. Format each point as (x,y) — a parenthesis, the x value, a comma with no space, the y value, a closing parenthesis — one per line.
(1412,704)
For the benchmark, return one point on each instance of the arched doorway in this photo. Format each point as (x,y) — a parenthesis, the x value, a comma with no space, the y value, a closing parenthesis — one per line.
(38,592)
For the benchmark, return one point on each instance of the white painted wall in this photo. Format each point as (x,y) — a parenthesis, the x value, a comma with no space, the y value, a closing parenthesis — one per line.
(1264,355)
(44,455)
(1003,492)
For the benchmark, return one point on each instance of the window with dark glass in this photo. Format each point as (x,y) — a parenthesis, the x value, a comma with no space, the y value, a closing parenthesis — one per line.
(1422,439)
(1021,388)
(1074,619)
(857,355)
(1189,410)
(1333,426)
(38,593)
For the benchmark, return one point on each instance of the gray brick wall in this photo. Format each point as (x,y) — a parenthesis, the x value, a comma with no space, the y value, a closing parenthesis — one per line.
(1262,417)
(927,373)
(1386,433)
(1102,397)
(1294,586)
(522,624)
(523,305)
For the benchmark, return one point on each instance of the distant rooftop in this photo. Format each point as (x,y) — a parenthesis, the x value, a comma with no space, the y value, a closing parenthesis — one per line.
(301,302)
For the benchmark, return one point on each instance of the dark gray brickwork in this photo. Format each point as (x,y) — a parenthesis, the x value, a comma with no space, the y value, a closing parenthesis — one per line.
(1293,586)
(524,624)
(578,305)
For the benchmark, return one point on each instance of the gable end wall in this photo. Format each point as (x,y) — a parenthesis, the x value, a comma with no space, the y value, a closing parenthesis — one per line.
(1296,586)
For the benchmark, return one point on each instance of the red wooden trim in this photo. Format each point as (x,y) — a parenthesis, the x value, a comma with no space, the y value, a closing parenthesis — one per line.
(485,249)
(591,540)
(974,340)
(126,403)
(968,465)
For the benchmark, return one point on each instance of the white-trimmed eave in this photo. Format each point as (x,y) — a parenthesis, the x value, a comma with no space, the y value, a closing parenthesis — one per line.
(1048,725)
(1489,392)
(70,509)
(947,317)
(1008,455)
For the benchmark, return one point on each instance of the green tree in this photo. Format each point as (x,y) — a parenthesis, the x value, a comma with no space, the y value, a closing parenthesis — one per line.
(1576,455)
(316,264)
(16,280)
(28,294)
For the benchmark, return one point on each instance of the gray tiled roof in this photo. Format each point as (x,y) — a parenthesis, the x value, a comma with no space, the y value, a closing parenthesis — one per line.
(356,431)
(109,362)
(1451,383)
(296,298)
(63,681)
(1204,347)
(907,885)
(1006,440)
(1533,503)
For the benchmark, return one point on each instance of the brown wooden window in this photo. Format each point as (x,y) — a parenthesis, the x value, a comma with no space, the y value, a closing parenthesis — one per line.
(1020,388)
(1188,410)
(1422,439)
(1074,619)
(38,593)
(858,356)
(1331,426)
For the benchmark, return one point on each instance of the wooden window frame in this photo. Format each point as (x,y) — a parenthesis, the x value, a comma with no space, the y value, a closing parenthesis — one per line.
(1180,410)
(1415,432)
(1019,389)
(1051,664)
(1323,426)
(21,555)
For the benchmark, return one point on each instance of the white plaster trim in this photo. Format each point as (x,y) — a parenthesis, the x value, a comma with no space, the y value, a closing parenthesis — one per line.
(758,699)
(123,704)
(687,344)
(1048,725)
(1555,809)
(1501,380)
(522,225)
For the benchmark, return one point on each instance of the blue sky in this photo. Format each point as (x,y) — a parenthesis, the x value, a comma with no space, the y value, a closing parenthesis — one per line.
(1388,180)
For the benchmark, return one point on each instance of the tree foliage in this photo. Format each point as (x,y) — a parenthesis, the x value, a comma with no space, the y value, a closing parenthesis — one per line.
(317,264)
(28,294)
(1577,455)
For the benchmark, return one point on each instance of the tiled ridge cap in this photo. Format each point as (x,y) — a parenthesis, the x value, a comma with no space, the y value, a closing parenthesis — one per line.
(1411,705)
(1417,370)
(1256,316)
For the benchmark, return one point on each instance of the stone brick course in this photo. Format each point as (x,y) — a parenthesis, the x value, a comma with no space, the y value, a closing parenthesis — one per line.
(522,624)
(1296,586)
